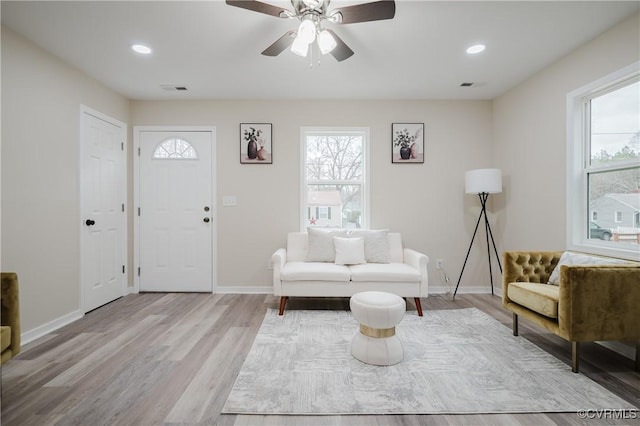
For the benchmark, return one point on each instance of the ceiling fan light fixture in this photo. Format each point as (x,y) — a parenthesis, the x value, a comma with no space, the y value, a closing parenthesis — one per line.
(326,42)
(300,47)
(306,31)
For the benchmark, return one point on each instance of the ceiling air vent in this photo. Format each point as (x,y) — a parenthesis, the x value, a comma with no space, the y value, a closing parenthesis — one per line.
(172,88)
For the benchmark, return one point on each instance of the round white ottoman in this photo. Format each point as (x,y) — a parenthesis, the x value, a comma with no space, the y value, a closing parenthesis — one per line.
(378,313)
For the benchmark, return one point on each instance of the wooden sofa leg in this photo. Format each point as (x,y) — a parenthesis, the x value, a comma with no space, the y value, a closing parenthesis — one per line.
(283,303)
(515,323)
(418,305)
(575,356)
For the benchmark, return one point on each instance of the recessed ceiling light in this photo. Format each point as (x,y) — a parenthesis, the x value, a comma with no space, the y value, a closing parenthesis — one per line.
(141,48)
(476,48)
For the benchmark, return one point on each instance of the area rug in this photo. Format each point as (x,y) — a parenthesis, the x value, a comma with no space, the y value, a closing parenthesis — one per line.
(455,362)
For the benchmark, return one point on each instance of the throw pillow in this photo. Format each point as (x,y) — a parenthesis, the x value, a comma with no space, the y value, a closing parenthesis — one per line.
(376,244)
(349,251)
(571,258)
(320,247)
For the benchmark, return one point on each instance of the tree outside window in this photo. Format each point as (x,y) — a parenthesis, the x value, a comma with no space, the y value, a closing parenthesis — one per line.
(334,178)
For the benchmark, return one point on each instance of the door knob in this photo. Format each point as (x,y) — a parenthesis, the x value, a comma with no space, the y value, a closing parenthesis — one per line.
(206,219)
(90,222)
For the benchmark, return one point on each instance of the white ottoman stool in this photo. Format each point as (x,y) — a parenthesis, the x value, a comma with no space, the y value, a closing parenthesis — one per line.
(378,313)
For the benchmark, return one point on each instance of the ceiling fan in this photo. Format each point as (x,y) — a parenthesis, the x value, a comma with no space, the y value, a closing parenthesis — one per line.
(312,14)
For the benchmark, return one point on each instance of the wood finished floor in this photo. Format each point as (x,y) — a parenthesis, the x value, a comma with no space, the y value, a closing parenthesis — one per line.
(171,359)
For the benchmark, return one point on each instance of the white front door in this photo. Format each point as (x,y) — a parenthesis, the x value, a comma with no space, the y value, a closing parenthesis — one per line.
(176,211)
(102,195)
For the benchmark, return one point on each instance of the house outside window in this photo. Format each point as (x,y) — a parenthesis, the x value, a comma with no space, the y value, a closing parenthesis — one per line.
(603,155)
(618,217)
(335,167)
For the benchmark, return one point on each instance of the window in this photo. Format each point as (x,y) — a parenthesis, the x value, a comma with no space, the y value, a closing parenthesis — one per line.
(174,148)
(604,165)
(334,177)
(618,217)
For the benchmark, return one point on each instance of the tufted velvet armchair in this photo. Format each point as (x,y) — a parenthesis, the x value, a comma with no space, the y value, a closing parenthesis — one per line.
(591,302)
(10,317)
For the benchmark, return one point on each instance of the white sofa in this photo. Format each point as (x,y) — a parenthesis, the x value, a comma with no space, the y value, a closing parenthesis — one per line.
(295,275)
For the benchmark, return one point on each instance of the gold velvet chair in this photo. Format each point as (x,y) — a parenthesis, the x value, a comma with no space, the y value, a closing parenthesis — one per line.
(9,317)
(590,303)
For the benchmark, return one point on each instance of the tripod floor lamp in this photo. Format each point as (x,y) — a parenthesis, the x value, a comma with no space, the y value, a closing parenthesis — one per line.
(482,182)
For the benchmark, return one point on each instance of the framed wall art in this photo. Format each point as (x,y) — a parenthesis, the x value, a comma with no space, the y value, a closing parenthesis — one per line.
(256,146)
(407,143)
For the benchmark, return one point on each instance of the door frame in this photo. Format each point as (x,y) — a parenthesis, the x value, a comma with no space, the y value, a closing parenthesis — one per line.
(136,196)
(85,110)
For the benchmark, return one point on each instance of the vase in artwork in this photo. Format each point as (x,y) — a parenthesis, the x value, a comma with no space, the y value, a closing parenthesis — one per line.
(414,150)
(252,149)
(405,153)
(262,154)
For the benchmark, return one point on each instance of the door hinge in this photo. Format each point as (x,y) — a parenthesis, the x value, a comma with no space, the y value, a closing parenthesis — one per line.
(123,207)
(138,151)
(138,271)
(123,269)
(121,146)
(138,211)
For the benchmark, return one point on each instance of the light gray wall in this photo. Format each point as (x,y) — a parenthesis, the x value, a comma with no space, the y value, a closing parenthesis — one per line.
(523,132)
(41,98)
(425,202)
(529,125)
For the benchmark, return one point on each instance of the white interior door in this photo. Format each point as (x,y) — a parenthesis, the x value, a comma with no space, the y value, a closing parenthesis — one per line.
(102,197)
(176,212)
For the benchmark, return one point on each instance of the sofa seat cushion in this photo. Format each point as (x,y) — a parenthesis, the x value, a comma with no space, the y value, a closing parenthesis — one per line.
(380,272)
(314,271)
(540,298)
(5,337)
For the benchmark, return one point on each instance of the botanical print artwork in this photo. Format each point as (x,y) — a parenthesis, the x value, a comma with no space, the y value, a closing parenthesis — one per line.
(255,143)
(407,143)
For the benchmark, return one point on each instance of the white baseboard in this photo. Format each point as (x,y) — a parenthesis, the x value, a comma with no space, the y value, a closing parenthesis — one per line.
(464,290)
(236,289)
(243,289)
(51,326)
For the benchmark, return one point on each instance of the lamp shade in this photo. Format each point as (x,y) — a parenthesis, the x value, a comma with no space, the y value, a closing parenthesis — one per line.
(483,180)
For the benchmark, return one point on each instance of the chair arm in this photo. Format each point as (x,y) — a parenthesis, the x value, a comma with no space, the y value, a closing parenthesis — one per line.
(599,302)
(527,266)
(419,261)
(10,308)
(278,259)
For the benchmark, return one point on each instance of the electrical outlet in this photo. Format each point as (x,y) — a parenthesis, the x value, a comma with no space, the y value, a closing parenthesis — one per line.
(439,264)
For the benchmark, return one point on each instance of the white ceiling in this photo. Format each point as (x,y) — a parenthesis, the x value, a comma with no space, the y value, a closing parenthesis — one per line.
(214,49)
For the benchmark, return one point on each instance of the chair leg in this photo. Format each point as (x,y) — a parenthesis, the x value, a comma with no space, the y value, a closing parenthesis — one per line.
(575,356)
(283,303)
(515,324)
(418,305)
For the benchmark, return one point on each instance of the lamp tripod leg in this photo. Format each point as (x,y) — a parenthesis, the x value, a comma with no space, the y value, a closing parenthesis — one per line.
(487,226)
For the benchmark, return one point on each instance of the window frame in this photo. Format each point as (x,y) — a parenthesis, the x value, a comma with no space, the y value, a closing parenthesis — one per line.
(366,165)
(579,166)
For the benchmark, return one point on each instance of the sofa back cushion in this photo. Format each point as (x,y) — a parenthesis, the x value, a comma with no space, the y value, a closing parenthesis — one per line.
(297,245)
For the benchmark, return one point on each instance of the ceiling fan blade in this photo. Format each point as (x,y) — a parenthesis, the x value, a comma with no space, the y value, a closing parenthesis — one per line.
(374,11)
(341,51)
(258,6)
(280,44)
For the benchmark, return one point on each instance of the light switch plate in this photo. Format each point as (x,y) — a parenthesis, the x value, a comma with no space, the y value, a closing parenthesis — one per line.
(229,201)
